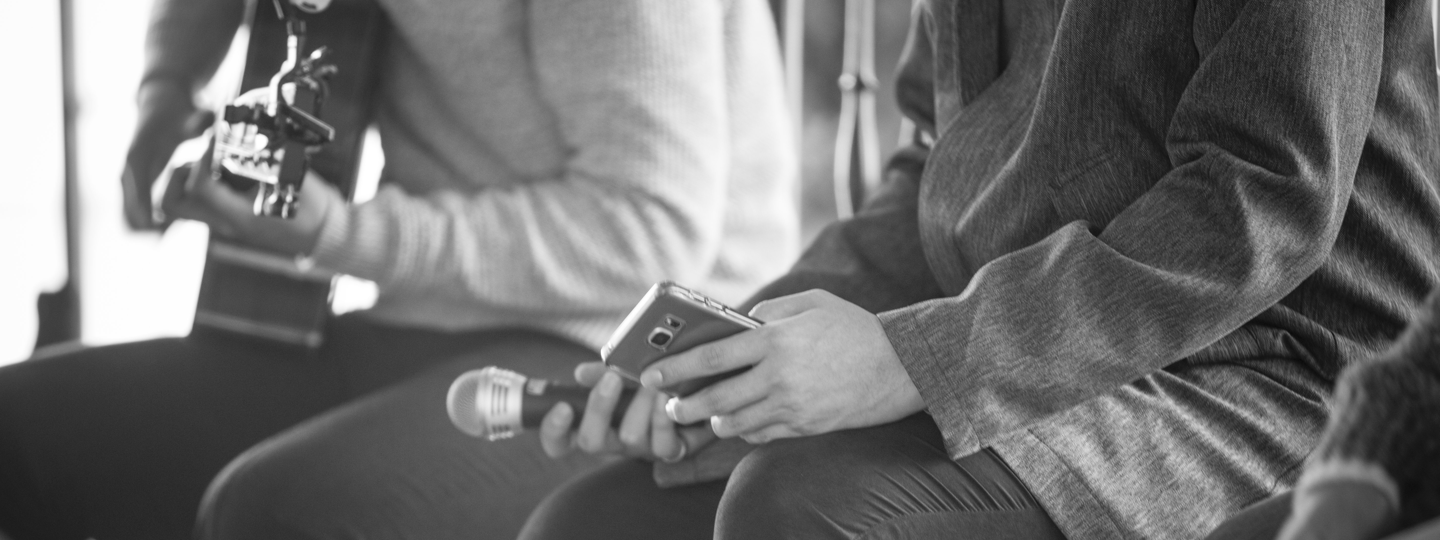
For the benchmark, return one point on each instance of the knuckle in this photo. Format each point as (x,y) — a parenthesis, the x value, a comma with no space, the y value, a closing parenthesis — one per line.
(781,386)
(711,358)
(770,337)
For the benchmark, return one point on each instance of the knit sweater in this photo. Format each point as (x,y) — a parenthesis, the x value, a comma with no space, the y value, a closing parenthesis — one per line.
(548,160)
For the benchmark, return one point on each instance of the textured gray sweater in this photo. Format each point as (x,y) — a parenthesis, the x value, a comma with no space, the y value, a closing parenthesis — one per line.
(1146,239)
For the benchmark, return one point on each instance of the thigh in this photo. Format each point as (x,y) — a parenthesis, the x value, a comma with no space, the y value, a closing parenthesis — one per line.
(621,500)
(120,441)
(890,481)
(372,355)
(390,464)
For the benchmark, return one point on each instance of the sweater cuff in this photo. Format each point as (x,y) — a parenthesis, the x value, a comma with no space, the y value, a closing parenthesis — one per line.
(1318,474)
(713,462)
(347,246)
(927,368)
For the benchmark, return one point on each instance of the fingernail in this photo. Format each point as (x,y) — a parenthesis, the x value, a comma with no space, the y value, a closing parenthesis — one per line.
(651,378)
(562,416)
(670,407)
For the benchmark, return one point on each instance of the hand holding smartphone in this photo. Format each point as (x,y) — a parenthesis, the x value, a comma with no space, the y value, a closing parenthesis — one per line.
(671,319)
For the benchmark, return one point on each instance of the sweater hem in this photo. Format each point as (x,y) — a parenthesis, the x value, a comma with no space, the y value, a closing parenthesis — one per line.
(1063,495)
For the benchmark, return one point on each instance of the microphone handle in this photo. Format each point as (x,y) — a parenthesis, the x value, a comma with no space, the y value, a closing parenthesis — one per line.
(537,402)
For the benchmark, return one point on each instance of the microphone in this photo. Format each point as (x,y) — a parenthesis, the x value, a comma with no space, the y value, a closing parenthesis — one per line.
(497,403)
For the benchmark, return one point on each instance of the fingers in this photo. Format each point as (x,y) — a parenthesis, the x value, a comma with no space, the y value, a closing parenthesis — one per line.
(219,201)
(769,433)
(135,192)
(192,194)
(634,431)
(555,437)
(720,398)
(744,422)
(162,126)
(665,444)
(595,435)
(173,202)
(790,306)
(737,351)
(589,373)
(198,122)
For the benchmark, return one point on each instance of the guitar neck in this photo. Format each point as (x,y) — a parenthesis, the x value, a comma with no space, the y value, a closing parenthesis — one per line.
(268,296)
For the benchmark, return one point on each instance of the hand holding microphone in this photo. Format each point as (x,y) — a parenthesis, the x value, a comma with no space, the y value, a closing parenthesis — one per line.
(497,403)
(606,419)
(669,319)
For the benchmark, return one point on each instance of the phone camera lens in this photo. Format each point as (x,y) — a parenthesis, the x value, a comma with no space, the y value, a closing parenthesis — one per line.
(660,337)
(674,322)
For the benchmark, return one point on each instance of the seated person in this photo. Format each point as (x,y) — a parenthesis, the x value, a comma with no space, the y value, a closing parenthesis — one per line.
(1377,469)
(1109,300)
(546,161)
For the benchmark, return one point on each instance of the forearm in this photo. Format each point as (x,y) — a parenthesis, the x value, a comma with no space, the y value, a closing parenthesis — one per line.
(875,259)
(185,43)
(1251,207)
(556,246)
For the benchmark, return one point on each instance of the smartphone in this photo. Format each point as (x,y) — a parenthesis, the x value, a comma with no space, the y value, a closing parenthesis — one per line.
(668,320)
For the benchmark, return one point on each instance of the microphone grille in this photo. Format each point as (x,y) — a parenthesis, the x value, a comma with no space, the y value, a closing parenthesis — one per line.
(486,403)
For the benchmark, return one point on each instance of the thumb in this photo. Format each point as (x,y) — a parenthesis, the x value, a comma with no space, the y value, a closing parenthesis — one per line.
(789,306)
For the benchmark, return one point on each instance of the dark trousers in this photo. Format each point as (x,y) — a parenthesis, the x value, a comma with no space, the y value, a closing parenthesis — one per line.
(122,441)
(890,481)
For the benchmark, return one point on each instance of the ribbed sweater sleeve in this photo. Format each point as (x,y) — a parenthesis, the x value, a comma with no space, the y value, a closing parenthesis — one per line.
(637,91)
(1387,413)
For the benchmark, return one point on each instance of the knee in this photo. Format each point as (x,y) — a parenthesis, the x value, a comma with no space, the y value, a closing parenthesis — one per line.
(790,489)
(274,491)
(599,504)
(240,500)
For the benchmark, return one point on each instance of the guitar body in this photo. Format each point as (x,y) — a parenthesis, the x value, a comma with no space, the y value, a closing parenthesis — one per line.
(258,295)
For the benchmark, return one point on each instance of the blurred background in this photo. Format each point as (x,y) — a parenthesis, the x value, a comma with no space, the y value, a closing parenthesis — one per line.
(134,286)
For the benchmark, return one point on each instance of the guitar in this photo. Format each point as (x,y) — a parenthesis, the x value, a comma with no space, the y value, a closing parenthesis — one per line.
(256,294)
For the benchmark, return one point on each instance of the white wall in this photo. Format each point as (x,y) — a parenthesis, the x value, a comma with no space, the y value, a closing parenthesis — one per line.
(32,248)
